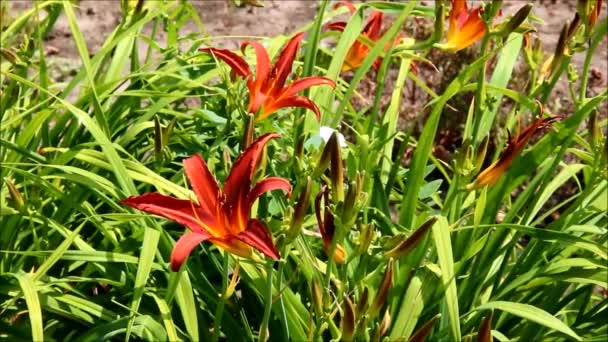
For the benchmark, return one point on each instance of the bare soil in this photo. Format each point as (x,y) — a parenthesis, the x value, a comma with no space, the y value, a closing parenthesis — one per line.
(221,18)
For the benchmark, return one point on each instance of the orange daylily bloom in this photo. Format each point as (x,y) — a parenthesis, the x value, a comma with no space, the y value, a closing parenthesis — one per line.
(372,31)
(267,90)
(327,226)
(515,145)
(219,215)
(466,27)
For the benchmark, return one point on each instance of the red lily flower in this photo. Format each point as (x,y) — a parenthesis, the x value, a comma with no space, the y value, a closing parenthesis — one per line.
(220,216)
(513,148)
(466,27)
(372,31)
(267,91)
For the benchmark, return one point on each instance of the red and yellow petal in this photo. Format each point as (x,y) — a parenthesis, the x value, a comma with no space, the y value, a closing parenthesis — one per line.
(232,245)
(236,62)
(262,66)
(268,184)
(282,67)
(184,212)
(293,101)
(257,236)
(347,4)
(203,183)
(184,246)
(305,83)
(238,182)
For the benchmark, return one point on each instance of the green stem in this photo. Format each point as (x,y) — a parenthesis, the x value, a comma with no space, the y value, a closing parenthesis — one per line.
(263,335)
(219,310)
(283,314)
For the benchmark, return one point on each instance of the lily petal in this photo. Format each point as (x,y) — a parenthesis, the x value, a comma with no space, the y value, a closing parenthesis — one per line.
(184,212)
(236,62)
(293,101)
(347,4)
(184,246)
(305,83)
(203,183)
(268,184)
(373,28)
(262,66)
(282,67)
(238,182)
(257,236)
(336,26)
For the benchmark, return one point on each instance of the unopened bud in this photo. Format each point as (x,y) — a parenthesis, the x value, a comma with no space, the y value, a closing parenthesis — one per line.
(158,137)
(518,18)
(300,209)
(385,324)
(15,195)
(317,296)
(423,332)
(348,320)
(412,241)
(383,290)
(481,153)
(439,20)
(337,169)
(348,209)
(485,329)
(363,303)
(366,236)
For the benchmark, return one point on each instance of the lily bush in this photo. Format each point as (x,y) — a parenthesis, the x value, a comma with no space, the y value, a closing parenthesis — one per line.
(137,197)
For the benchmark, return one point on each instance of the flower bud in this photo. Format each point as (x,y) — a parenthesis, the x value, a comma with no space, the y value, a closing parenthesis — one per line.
(337,169)
(317,296)
(15,196)
(382,294)
(412,241)
(485,330)
(439,19)
(348,320)
(363,303)
(385,324)
(518,18)
(300,209)
(366,236)
(423,332)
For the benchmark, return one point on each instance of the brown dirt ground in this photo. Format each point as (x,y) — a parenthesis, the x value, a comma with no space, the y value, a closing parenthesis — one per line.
(97,18)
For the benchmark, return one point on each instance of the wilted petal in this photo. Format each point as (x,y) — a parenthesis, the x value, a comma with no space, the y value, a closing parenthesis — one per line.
(181,211)
(184,246)
(257,236)
(514,147)
(238,183)
(236,62)
(203,183)
(268,184)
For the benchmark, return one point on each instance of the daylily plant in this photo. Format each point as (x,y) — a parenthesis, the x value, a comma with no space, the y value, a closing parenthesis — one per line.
(466,26)
(372,31)
(220,216)
(267,90)
(515,145)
